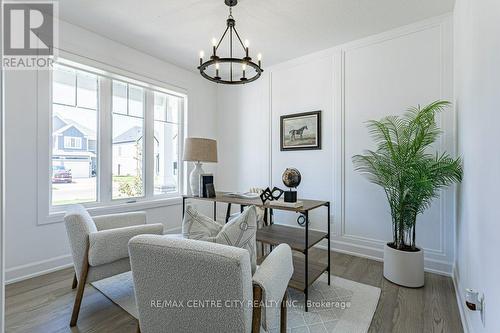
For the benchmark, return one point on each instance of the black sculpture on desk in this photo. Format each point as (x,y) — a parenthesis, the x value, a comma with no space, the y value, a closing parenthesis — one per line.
(268,195)
(291,178)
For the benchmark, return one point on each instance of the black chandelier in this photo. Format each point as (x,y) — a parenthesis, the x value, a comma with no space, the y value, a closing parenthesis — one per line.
(211,69)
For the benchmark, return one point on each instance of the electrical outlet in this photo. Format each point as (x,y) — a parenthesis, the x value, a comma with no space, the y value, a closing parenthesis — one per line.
(475,302)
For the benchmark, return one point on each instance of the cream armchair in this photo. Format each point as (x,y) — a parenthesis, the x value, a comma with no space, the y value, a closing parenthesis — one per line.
(184,285)
(99,245)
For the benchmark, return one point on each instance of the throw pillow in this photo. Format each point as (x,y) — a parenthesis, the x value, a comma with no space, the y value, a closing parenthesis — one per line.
(198,226)
(239,232)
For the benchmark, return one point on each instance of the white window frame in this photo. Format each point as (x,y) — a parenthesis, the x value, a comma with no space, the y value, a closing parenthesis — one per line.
(68,142)
(105,204)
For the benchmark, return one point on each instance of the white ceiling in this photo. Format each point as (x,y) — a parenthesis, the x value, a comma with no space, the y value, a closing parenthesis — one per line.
(176,30)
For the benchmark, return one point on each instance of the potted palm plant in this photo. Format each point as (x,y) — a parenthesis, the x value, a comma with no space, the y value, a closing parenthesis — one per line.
(411,176)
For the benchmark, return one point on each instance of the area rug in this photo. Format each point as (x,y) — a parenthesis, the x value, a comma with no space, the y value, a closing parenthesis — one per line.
(344,306)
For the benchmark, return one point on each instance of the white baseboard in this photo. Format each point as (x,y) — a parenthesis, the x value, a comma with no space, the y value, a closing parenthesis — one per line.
(31,270)
(430,265)
(27,271)
(460,300)
(23,272)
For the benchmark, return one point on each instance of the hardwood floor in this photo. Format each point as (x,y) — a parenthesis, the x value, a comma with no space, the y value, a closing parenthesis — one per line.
(43,304)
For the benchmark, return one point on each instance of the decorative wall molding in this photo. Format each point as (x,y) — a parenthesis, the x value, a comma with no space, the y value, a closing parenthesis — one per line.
(438,256)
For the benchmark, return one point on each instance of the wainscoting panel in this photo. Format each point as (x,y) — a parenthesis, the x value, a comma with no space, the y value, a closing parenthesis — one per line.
(369,79)
(351,83)
(390,75)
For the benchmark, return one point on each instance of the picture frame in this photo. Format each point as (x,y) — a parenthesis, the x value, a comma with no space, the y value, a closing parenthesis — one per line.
(205,179)
(300,131)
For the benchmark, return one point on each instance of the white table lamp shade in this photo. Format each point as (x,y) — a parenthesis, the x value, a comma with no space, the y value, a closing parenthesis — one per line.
(200,150)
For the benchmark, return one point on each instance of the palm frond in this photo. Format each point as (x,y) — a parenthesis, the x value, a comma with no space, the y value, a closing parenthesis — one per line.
(401,164)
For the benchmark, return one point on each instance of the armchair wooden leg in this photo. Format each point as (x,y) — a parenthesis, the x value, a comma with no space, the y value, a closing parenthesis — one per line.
(283,314)
(75,282)
(81,287)
(256,316)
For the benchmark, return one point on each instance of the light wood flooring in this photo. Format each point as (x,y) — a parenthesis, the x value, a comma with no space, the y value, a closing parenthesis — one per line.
(43,304)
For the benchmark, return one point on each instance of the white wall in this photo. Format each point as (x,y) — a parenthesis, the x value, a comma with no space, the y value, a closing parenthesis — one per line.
(243,146)
(351,83)
(477,97)
(33,248)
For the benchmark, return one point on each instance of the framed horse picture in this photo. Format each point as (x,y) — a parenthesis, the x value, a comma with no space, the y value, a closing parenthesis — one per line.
(300,131)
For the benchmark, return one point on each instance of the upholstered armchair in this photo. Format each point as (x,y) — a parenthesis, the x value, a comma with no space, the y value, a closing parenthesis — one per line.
(99,245)
(184,285)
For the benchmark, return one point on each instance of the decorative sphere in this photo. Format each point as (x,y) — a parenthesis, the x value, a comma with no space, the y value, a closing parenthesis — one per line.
(291,177)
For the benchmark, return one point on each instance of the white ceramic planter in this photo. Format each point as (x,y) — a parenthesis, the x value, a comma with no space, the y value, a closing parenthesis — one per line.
(404,268)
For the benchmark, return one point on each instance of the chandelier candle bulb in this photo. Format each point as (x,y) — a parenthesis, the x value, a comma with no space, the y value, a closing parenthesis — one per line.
(247,44)
(259,58)
(214,44)
(217,70)
(202,54)
(243,67)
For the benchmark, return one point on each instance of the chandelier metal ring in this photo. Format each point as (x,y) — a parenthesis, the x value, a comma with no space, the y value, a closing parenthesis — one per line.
(212,62)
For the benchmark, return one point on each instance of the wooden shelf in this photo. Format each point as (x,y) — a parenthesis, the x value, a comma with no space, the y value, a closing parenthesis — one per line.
(276,234)
(298,278)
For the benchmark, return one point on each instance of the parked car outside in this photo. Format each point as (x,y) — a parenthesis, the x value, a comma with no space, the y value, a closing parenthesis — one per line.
(61,175)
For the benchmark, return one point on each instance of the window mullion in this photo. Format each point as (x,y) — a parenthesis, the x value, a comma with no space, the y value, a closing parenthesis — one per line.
(105,141)
(183,132)
(149,173)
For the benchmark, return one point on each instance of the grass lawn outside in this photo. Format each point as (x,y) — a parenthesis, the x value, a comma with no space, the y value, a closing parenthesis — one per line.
(123,179)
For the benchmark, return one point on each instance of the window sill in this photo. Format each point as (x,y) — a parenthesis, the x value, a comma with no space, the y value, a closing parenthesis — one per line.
(58,217)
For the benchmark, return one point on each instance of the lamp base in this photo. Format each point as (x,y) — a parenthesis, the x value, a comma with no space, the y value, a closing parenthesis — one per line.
(194,179)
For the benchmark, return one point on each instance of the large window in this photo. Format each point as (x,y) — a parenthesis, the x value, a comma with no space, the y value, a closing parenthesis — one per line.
(113,139)
(74,136)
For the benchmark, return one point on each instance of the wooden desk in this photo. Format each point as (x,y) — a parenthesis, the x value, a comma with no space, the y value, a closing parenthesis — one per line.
(299,239)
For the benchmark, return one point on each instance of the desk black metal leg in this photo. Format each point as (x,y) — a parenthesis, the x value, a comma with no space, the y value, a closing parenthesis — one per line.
(265,224)
(306,253)
(183,206)
(228,212)
(215,210)
(329,241)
